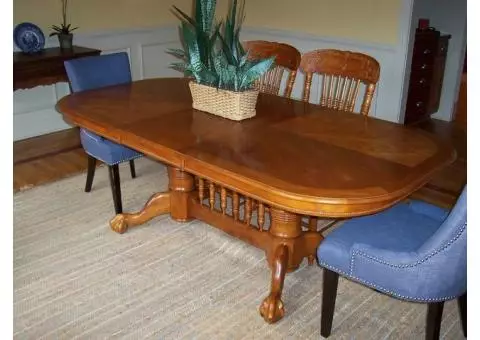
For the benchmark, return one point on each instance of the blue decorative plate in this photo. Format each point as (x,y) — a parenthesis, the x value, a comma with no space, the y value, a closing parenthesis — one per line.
(28,37)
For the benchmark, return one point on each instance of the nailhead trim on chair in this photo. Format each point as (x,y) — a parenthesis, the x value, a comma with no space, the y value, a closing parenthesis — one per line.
(387,291)
(384,290)
(375,259)
(85,132)
(121,161)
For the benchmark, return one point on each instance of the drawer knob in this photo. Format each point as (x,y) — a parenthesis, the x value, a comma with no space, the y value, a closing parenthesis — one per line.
(427,51)
(419,104)
(422,81)
(424,66)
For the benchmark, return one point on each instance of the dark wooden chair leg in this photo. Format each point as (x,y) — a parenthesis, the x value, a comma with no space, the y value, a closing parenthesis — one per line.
(115,184)
(330,284)
(434,320)
(132,168)
(462,308)
(92,162)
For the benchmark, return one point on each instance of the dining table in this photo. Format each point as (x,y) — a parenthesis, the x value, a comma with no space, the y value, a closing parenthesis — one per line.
(257,179)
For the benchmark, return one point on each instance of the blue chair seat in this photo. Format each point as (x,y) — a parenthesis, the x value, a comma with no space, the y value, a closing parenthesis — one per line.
(105,150)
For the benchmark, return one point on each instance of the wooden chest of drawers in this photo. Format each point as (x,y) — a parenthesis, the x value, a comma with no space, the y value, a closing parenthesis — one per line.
(426,75)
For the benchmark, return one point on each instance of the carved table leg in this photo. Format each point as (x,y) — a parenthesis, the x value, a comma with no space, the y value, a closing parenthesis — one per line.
(157,205)
(181,183)
(285,229)
(173,201)
(272,308)
(289,246)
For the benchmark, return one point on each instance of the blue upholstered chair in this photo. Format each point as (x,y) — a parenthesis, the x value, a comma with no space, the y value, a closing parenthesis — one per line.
(92,73)
(413,251)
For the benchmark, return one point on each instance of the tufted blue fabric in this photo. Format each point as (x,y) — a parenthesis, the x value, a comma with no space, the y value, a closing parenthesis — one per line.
(95,72)
(413,251)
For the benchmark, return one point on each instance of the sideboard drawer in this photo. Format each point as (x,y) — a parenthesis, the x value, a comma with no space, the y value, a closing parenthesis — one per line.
(429,49)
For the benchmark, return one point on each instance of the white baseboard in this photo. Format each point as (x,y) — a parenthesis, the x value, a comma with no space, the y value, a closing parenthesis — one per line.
(34,112)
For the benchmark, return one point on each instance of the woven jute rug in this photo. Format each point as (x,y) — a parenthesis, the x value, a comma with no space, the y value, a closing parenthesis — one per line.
(76,279)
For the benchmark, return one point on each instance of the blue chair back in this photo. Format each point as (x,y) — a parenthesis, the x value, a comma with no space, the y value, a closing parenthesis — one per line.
(447,248)
(95,72)
(98,71)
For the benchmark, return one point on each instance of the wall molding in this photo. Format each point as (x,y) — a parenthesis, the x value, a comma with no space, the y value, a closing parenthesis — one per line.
(312,37)
(406,33)
(146,48)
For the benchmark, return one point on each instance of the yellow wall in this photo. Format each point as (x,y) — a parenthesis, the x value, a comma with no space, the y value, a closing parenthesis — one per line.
(365,20)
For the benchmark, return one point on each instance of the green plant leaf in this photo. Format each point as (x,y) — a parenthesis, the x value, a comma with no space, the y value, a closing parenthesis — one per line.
(255,72)
(241,14)
(176,52)
(190,41)
(208,14)
(199,15)
(243,60)
(184,16)
(179,66)
(227,51)
(204,75)
(216,32)
(233,15)
(204,15)
(238,45)
(228,34)
(212,54)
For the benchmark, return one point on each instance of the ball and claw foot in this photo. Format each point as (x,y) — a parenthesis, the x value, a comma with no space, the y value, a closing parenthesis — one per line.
(119,224)
(272,309)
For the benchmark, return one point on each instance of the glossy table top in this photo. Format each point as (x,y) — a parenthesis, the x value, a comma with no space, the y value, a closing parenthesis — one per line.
(292,155)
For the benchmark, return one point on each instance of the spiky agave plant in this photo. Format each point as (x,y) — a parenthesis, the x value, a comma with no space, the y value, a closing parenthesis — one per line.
(213,58)
(64,28)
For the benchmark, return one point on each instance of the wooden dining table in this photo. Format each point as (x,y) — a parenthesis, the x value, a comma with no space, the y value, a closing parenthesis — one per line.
(256,179)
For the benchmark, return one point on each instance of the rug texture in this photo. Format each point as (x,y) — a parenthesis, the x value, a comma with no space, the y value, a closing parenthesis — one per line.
(74,278)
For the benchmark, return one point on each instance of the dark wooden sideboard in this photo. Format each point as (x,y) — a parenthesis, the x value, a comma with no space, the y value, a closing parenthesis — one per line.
(45,67)
(426,74)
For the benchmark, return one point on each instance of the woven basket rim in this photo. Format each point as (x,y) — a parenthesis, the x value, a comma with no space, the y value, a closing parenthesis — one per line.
(252,90)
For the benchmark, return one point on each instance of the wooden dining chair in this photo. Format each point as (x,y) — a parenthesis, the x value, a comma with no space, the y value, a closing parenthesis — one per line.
(341,74)
(287,58)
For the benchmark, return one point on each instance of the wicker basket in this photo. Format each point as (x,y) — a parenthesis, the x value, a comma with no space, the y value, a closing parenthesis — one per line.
(227,104)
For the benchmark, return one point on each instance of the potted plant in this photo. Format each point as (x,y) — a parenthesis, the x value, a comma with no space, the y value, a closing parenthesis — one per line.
(64,31)
(223,75)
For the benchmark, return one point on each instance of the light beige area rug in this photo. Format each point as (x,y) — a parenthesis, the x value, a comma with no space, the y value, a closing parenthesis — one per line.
(76,279)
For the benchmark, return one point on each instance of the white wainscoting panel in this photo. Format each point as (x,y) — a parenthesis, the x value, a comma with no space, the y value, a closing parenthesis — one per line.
(156,63)
(34,109)
(34,112)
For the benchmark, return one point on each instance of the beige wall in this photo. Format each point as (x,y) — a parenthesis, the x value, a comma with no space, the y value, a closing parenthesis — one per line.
(366,20)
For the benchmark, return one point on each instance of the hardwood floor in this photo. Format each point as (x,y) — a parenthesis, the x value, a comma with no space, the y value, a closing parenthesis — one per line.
(447,184)
(47,158)
(43,146)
